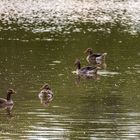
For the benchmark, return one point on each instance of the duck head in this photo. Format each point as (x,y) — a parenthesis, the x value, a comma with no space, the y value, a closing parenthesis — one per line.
(77,63)
(88,51)
(11,91)
(45,86)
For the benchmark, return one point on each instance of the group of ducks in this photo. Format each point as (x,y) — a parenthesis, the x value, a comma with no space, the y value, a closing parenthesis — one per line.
(96,60)
(45,96)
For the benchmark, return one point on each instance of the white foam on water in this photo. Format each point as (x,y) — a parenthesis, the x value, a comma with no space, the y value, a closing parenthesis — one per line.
(60,13)
(107,73)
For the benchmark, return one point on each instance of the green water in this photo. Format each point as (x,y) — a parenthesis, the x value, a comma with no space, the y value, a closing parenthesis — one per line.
(107,108)
(39,43)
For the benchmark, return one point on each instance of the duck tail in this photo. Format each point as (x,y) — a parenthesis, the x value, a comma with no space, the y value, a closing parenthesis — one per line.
(98,68)
(104,54)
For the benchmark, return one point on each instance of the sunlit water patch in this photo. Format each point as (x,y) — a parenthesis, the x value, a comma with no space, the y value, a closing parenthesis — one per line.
(107,73)
(51,16)
(101,72)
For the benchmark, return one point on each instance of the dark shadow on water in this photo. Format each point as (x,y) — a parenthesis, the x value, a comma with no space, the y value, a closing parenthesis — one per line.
(79,78)
(8,110)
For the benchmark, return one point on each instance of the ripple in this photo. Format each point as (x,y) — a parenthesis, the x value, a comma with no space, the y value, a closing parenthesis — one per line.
(107,73)
(138,71)
(57,62)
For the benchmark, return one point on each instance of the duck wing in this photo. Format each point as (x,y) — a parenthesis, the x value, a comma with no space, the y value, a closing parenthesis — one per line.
(96,55)
(50,92)
(88,68)
(2,100)
(44,93)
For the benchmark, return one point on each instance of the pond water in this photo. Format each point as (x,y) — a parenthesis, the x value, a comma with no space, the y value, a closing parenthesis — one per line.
(39,42)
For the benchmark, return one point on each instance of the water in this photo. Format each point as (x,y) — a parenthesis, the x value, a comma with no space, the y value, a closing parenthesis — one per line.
(39,42)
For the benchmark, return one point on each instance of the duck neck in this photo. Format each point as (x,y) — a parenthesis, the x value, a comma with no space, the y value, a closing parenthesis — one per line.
(90,53)
(78,66)
(47,88)
(9,97)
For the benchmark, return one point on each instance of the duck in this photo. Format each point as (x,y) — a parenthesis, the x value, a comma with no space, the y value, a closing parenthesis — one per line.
(8,101)
(87,70)
(95,58)
(46,93)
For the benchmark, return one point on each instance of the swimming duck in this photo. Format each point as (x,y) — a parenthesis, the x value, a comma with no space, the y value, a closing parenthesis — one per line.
(87,70)
(95,58)
(8,101)
(45,92)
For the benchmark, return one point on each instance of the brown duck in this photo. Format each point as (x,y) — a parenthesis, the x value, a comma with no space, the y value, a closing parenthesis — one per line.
(8,101)
(95,58)
(45,92)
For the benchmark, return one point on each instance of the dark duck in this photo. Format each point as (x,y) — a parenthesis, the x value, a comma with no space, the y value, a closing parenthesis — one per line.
(87,70)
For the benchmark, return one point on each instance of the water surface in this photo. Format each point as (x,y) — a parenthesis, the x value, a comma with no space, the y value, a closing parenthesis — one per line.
(40,42)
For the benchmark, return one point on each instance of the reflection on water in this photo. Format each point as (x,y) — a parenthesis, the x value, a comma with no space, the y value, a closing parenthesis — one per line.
(45,100)
(7,109)
(79,78)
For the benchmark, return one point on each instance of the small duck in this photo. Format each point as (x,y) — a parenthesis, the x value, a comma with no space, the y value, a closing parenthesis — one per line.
(8,101)
(95,58)
(87,70)
(45,93)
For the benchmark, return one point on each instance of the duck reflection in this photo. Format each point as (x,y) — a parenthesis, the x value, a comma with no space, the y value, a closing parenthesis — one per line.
(45,100)
(8,109)
(78,78)
(45,95)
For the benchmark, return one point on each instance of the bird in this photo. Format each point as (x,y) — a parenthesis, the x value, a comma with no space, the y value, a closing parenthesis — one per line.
(95,58)
(87,70)
(46,93)
(8,101)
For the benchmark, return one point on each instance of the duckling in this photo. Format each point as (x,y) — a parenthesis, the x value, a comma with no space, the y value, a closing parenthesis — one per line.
(45,92)
(8,101)
(95,58)
(87,70)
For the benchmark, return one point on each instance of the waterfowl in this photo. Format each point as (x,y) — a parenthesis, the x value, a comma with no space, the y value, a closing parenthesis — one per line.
(8,101)
(87,70)
(95,58)
(45,93)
